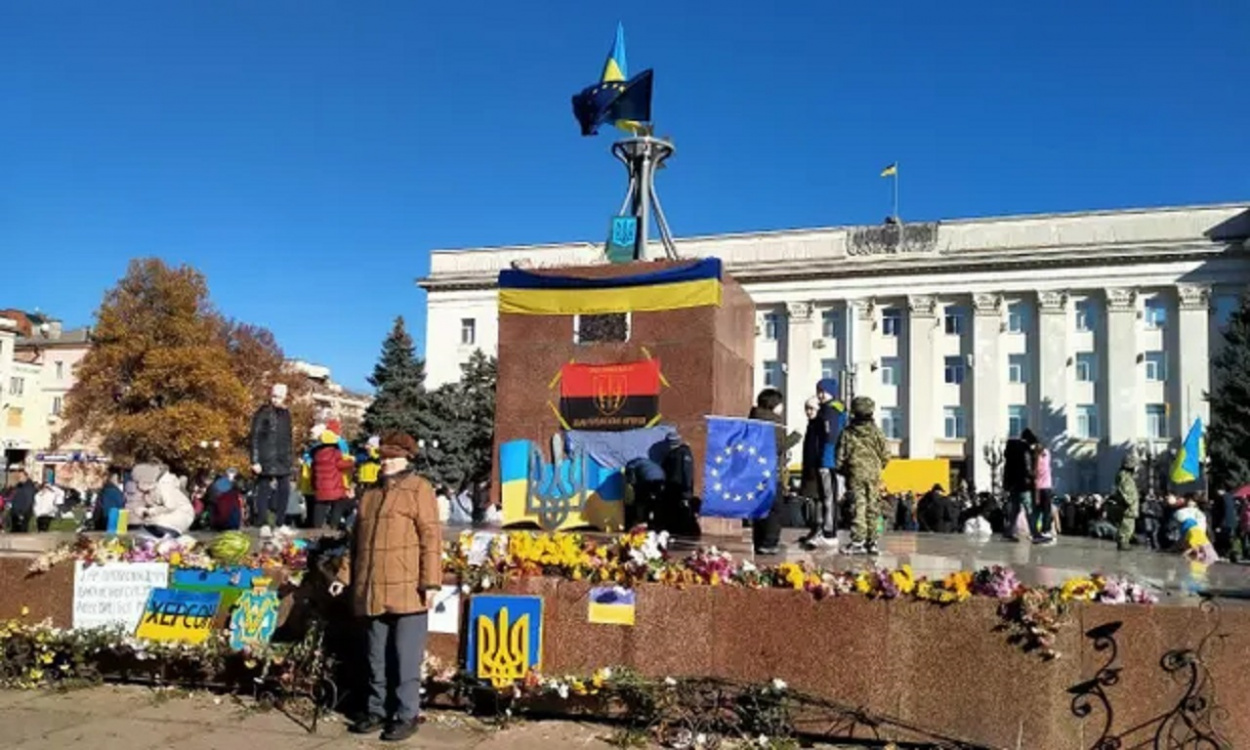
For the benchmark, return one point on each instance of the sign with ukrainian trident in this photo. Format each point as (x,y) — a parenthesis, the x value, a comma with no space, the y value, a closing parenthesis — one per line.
(255,617)
(740,468)
(610,397)
(505,637)
(574,492)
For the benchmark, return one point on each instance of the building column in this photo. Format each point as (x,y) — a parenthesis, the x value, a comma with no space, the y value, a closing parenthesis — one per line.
(987,377)
(1193,330)
(800,379)
(922,378)
(1121,409)
(860,314)
(1054,373)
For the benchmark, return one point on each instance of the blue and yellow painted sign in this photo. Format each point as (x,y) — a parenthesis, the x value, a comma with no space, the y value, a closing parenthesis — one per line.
(172,615)
(254,620)
(229,582)
(505,637)
(612,605)
(575,493)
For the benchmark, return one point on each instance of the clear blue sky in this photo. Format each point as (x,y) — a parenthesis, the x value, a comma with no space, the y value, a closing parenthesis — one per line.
(308,154)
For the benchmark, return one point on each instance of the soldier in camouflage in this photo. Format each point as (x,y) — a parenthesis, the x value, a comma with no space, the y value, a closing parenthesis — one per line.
(1126,495)
(862,455)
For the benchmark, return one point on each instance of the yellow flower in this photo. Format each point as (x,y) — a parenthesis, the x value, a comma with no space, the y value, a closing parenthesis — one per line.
(25,610)
(903,580)
(35,674)
(862,584)
(175,559)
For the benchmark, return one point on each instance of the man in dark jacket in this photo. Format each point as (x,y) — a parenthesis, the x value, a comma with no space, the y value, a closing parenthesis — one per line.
(937,512)
(271,457)
(111,498)
(1019,471)
(21,501)
(830,419)
(766,531)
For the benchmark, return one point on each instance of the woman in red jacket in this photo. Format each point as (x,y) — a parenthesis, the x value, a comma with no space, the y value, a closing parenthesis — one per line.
(329,487)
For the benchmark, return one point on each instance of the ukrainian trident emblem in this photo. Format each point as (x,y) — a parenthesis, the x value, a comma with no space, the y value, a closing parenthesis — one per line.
(505,640)
(556,490)
(610,392)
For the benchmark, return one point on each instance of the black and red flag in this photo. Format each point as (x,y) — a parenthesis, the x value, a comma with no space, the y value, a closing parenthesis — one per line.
(610,397)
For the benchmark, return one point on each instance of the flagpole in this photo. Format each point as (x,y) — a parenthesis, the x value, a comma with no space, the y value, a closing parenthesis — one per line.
(896,219)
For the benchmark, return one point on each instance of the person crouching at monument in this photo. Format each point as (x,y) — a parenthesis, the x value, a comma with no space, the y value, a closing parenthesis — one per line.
(766,531)
(156,501)
(394,571)
(862,456)
(829,422)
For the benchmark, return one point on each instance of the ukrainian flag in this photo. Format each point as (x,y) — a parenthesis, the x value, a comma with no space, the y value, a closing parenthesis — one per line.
(890,171)
(1193,454)
(696,284)
(597,492)
(616,69)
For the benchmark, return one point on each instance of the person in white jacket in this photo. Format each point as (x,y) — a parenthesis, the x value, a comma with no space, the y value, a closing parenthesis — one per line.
(156,501)
(48,502)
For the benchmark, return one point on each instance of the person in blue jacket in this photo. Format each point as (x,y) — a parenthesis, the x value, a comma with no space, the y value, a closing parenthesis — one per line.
(111,498)
(823,432)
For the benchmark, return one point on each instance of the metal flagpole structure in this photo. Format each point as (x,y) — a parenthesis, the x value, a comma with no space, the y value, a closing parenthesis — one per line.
(896,216)
(643,157)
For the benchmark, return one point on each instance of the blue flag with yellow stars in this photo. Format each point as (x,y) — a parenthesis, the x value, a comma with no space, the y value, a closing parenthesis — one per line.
(739,468)
(614,101)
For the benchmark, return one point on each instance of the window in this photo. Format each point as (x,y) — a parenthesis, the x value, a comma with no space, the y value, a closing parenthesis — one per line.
(829,368)
(1224,307)
(891,422)
(1017,368)
(1156,313)
(1017,317)
(954,319)
(56,406)
(1017,419)
(953,426)
(890,371)
(1086,367)
(468,332)
(1156,367)
(831,324)
(603,328)
(1086,315)
(770,326)
(954,370)
(60,370)
(772,373)
(1157,421)
(16,386)
(892,321)
(1087,421)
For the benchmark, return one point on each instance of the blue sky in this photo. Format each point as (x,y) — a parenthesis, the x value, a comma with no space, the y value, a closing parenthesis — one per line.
(307,155)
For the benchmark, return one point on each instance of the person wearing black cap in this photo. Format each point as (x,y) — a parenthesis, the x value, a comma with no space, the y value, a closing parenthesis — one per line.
(830,419)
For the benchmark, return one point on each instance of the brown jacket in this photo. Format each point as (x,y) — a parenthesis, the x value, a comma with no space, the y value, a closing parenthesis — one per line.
(397,553)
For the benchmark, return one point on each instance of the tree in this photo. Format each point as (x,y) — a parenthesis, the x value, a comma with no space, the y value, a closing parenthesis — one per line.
(466,410)
(259,362)
(401,401)
(158,382)
(1229,434)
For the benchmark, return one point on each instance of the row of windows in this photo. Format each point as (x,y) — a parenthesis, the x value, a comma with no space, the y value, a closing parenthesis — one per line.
(1154,315)
(955,422)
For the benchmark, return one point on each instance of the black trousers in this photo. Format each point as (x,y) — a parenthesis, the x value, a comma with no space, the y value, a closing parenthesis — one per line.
(43,523)
(19,523)
(328,513)
(272,495)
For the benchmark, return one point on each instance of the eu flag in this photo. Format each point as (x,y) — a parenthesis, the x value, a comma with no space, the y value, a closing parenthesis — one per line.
(613,101)
(740,470)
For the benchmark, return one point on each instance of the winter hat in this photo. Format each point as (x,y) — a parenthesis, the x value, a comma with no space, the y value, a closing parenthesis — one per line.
(398,445)
(335,426)
(827,385)
(374,442)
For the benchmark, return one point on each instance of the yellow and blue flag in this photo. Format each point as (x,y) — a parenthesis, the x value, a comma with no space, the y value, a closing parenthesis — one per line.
(1193,454)
(890,171)
(693,284)
(616,98)
(740,468)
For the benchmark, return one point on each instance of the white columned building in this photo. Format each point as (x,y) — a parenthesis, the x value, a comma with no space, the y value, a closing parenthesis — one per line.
(1093,329)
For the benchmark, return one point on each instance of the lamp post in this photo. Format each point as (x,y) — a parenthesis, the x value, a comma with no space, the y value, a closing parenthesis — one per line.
(1148,454)
(993,453)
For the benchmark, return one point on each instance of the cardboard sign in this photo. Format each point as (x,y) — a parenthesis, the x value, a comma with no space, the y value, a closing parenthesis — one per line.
(505,637)
(172,615)
(229,582)
(612,605)
(445,616)
(113,595)
(254,620)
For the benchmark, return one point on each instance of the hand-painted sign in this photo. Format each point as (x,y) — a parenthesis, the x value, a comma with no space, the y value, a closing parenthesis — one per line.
(172,615)
(612,605)
(113,595)
(505,637)
(254,620)
(610,397)
(229,582)
(576,492)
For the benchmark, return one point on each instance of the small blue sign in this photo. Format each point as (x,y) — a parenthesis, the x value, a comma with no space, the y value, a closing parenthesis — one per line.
(505,638)
(623,240)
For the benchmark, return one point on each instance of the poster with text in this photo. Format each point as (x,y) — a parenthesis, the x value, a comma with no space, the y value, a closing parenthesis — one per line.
(114,594)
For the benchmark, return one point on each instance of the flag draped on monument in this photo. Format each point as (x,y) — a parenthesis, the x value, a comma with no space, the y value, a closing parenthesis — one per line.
(740,468)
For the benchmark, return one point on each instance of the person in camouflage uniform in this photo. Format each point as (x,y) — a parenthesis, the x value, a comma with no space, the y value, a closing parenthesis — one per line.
(862,454)
(1126,495)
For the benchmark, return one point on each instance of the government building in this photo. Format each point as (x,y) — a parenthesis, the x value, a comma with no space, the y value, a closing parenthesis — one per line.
(1094,329)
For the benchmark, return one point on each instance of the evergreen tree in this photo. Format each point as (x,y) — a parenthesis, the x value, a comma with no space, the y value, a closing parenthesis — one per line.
(400,401)
(1229,434)
(466,410)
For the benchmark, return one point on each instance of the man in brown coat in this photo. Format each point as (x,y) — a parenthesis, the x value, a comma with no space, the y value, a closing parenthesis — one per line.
(394,571)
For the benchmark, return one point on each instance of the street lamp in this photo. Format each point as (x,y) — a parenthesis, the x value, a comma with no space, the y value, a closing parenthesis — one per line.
(993,453)
(1147,451)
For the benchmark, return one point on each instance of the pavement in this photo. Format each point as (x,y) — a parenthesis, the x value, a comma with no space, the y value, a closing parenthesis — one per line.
(135,718)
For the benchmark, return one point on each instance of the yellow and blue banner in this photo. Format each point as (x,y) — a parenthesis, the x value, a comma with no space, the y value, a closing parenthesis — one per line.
(612,605)
(695,284)
(575,493)
(254,620)
(740,468)
(230,582)
(172,615)
(1193,454)
(505,638)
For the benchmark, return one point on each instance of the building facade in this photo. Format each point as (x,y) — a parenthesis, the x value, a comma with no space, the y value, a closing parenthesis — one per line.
(331,398)
(1094,329)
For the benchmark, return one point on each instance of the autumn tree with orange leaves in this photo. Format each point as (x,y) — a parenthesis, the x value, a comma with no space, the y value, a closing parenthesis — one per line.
(168,378)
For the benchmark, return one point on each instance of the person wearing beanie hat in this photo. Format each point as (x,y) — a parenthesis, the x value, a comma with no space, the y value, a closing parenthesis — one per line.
(394,570)
(827,426)
(862,455)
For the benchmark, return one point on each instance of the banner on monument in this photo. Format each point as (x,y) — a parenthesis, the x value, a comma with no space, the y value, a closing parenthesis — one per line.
(114,594)
(610,397)
(172,615)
